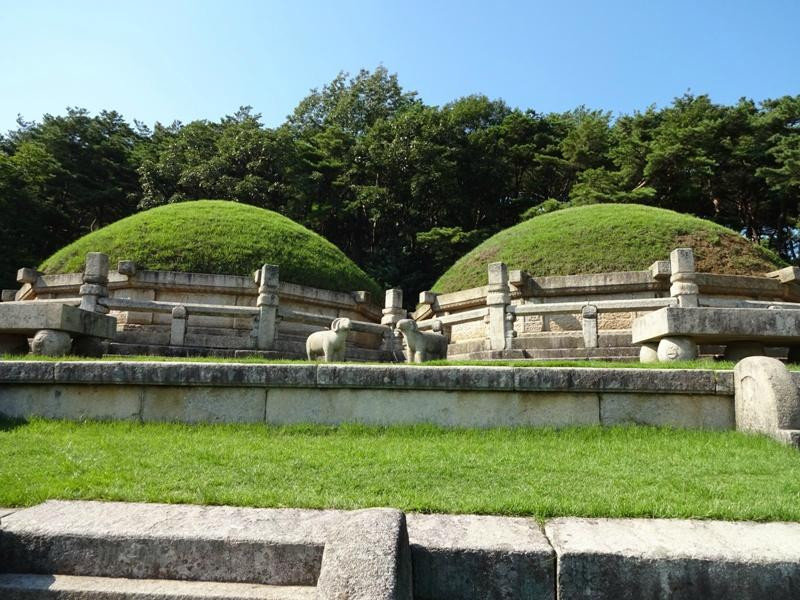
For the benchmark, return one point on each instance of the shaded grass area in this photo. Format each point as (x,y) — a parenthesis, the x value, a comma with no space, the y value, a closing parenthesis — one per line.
(595,472)
(607,237)
(593,364)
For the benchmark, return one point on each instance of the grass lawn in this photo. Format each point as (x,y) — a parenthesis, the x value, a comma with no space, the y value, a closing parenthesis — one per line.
(614,472)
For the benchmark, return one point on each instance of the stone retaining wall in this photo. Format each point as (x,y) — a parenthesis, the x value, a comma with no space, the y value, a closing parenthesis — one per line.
(381,395)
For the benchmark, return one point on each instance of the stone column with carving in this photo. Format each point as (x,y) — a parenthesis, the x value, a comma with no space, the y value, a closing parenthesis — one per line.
(266,325)
(95,282)
(684,288)
(499,324)
(392,312)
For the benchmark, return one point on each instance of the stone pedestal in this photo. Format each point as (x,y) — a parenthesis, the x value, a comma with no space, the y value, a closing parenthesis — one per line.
(50,342)
(676,348)
(648,353)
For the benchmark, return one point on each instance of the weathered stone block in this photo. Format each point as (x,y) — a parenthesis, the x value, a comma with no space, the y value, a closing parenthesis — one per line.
(471,557)
(631,559)
(367,557)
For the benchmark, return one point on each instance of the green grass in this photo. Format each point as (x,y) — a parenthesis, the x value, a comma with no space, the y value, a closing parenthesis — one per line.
(604,238)
(214,236)
(612,472)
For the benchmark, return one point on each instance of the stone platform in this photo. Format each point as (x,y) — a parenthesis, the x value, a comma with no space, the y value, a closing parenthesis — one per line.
(21,320)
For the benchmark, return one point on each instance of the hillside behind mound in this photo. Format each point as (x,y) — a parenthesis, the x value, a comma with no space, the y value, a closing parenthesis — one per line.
(604,238)
(216,236)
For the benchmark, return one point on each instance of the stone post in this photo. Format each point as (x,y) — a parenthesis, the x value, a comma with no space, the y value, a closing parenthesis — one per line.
(27,275)
(393,311)
(95,282)
(266,324)
(683,280)
(500,326)
(589,323)
(683,287)
(177,333)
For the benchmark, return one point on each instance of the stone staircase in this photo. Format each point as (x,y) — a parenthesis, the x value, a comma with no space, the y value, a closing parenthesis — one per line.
(108,551)
(551,345)
(72,587)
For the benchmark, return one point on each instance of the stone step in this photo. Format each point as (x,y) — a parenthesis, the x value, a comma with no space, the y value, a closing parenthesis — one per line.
(71,587)
(162,541)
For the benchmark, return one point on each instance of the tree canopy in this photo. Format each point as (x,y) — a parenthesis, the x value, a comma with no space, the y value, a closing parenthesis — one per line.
(402,187)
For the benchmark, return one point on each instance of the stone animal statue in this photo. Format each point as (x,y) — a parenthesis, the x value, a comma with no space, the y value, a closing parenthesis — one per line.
(329,344)
(422,345)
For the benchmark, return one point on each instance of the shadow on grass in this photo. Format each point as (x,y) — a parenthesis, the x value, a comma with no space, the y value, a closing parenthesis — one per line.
(10,423)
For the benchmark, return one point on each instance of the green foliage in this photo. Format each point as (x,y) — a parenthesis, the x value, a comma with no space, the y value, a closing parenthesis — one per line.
(590,472)
(607,237)
(213,236)
(385,177)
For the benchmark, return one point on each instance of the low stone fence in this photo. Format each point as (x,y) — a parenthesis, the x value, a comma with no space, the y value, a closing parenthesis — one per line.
(172,313)
(283,394)
(517,315)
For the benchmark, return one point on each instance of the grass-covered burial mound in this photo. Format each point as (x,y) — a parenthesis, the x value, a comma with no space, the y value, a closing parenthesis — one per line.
(215,236)
(604,238)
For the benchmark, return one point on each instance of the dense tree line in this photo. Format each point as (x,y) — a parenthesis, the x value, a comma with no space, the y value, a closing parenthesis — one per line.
(404,188)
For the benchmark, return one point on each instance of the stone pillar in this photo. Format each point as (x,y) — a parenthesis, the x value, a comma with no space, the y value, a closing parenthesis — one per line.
(177,332)
(95,282)
(589,323)
(500,326)
(27,275)
(393,311)
(683,287)
(683,280)
(266,324)
(393,307)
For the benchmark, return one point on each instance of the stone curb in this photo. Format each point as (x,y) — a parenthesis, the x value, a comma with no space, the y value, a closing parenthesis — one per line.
(366,553)
(627,559)
(523,379)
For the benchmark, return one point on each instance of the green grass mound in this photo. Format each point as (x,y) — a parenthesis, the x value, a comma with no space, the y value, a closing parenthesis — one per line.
(604,238)
(215,236)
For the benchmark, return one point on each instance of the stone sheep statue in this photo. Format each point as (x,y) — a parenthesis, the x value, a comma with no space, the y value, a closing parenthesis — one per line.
(329,344)
(422,345)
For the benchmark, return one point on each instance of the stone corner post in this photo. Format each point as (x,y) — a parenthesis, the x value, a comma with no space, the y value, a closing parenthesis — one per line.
(95,282)
(266,325)
(684,289)
(589,326)
(500,326)
(392,312)
(177,333)
(683,280)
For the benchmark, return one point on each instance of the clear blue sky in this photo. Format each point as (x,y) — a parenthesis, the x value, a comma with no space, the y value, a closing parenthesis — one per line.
(186,60)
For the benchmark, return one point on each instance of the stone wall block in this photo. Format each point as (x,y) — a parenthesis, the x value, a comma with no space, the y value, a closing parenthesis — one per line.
(367,557)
